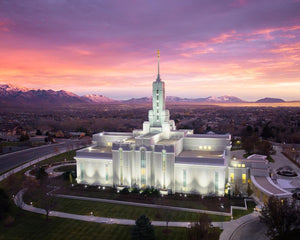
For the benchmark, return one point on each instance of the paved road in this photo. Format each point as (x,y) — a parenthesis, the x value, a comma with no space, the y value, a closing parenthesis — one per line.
(11,160)
(250,230)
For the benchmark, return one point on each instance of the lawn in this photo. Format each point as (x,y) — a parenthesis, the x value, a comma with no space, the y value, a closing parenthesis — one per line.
(239,213)
(31,226)
(176,200)
(113,210)
(65,168)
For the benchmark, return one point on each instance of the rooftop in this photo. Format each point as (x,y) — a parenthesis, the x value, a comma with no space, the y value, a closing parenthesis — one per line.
(227,136)
(265,184)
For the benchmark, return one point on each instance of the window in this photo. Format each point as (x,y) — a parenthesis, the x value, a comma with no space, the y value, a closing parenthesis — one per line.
(184,179)
(243,165)
(81,171)
(232,177)
(164,168)
(234,164)
(143,168)
(216,182)
(121,165)
(106,173)
(244,177)
(143,159)
(239,165)
(205,147)
(209,147)
(200,147)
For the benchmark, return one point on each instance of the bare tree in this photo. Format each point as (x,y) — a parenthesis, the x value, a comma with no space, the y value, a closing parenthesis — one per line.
(281,217)
(47,200)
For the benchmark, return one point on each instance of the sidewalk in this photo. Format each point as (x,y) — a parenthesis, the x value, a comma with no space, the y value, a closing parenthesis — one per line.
(229,227)
(93,218)
(232,226)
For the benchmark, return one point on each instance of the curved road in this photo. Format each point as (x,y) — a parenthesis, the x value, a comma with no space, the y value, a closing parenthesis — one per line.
(253,229)
(11,160)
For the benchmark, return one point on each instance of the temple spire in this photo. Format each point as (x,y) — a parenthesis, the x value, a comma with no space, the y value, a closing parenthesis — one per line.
(158,76)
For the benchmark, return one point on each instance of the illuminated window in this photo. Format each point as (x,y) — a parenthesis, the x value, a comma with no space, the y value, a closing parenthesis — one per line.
(109,144)
(205,147)
(209,147)
(200,147)
(232,177)
(243,165)
(244,177)
(239,165)
(234,164)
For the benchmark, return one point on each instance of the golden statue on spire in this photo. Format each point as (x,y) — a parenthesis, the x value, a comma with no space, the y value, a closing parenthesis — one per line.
(158,53)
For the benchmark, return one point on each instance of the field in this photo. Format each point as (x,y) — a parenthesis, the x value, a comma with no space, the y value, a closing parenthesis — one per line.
(30,226)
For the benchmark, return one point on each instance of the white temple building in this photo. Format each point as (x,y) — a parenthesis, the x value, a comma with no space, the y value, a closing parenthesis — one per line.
(162,157)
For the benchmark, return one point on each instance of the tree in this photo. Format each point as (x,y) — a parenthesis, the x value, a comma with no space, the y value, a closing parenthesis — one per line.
(4,203)
(48,201)
(281,217)
(202,229)
(24,137)
(264,148)
(143,229)
(38,132)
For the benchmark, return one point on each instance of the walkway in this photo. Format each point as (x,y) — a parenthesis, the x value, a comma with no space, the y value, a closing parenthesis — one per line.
(96,219)
(229,227)
(234,225)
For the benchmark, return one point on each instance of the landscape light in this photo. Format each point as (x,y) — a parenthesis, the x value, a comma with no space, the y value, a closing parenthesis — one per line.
(103,188)
(91,213)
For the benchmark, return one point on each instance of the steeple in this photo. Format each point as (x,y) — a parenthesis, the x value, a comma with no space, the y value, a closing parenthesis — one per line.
(158,76)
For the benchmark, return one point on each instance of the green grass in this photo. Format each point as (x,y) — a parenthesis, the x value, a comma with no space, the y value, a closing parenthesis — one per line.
(31,226)
(9,144)
(112,210)
(175,200)
(270,159)
(65,168)
(239,213)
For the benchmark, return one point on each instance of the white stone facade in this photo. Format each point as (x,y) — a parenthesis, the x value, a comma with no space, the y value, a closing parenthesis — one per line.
(157,156)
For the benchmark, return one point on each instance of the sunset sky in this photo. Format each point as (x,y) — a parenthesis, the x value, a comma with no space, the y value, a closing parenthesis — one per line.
(246,48)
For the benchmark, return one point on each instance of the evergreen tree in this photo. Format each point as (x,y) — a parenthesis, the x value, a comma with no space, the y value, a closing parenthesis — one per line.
(143,229)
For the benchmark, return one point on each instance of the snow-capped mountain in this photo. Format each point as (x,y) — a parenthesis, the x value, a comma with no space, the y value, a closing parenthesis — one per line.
(224,99)
(10,94)
(98,98)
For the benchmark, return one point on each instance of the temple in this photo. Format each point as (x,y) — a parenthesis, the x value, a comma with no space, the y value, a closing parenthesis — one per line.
(162,157)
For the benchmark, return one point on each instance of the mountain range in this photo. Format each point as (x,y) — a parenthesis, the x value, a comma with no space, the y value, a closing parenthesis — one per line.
(10,94)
